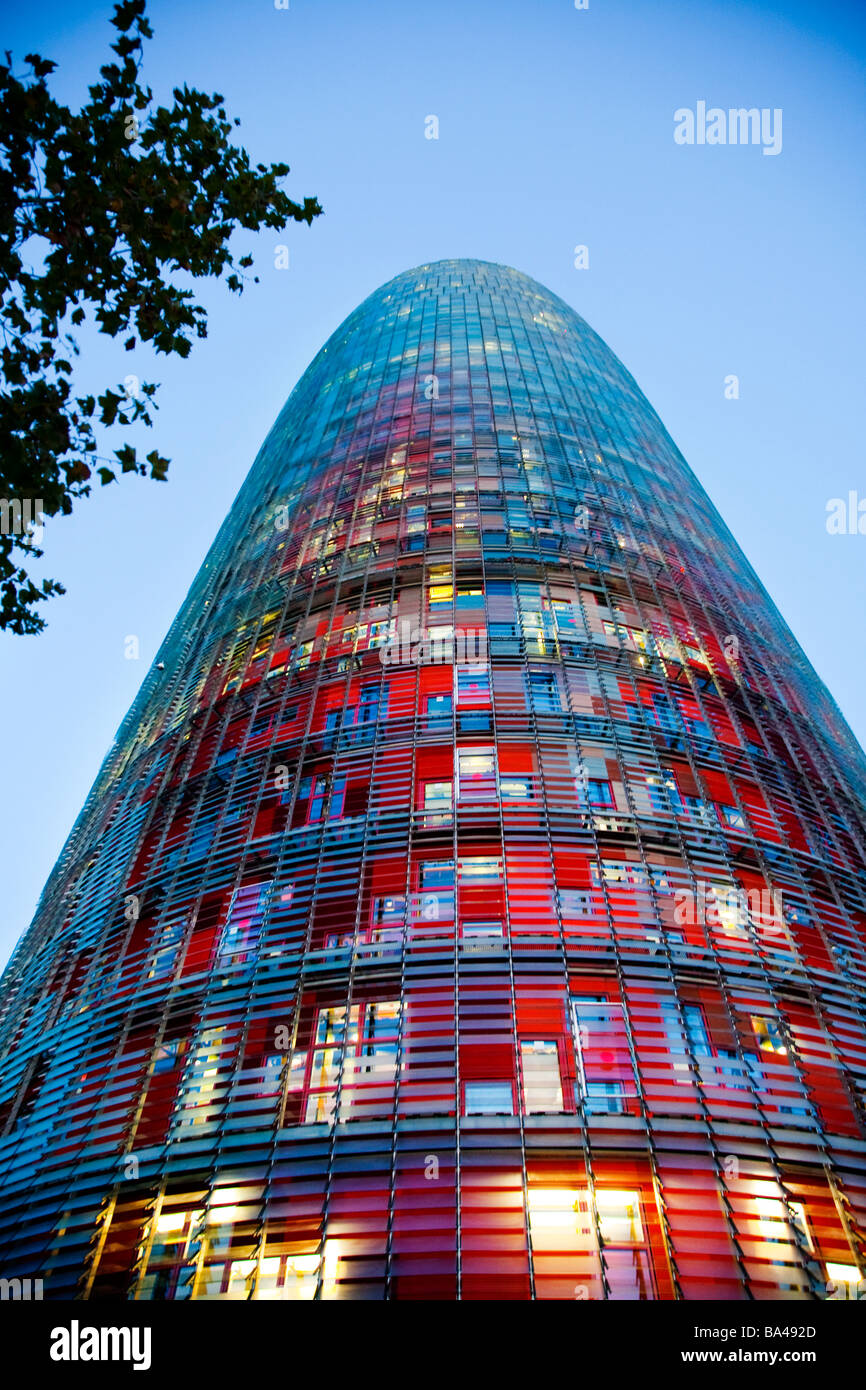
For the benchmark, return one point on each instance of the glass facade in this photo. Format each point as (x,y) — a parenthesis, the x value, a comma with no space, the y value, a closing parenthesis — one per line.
(472,904)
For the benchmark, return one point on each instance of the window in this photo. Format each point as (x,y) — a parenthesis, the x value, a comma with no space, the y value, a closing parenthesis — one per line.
(797,1217)
(662,715)
(388,910)
(605,1079)
(664,795)
(435,901)
(438,709)
(564,1219)
(542,1078)
(437,873)
(619,1217)
(604,1098)
(325,797)
(779,1217)
(599,793)
(731,817)
(481,931)
(728,906)
(480,869)
(699,811)
(474,722)
(488,1098)
(173,1235)
(202,1077)
(696,1031)
(769,1034)
(166,1056)
(201,839)
(241,932)
(288,1276)
(515,789)
(441,596)
(477,776)
(436,800)
(473,686)
(262,722)
(543,691)
(363,1041)
(843,1281)
(368,709)
(626,1253)
(305,655)
(697,726)
(387,920)
(380,632)
(167,949)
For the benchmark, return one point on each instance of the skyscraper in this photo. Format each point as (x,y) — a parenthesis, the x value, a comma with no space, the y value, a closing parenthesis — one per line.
(472,903)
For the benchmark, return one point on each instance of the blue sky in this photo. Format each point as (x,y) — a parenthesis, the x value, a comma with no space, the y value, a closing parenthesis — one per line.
(555,129)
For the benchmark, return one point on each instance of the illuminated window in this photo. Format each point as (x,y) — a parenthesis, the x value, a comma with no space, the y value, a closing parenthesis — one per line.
(480,869)
(305,655)
(473,686)
(664,795)
(797,1217)
(769,1034)
(542,1078)
(362,1040)
(726,903)
(436,800)
(619,1217)
(441,595)
(778,1218)
(600,1050)
(171,1250)
(477,776)
(292,1277)
(565,1220)
(844,1281)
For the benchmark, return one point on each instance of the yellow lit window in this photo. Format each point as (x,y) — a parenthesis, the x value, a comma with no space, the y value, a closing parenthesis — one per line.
(769,1035)
(619,1217)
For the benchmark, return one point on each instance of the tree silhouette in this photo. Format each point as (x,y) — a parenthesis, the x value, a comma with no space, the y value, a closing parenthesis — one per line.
(100,212)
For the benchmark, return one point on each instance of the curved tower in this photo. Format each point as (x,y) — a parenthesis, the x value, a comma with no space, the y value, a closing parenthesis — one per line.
(472,903)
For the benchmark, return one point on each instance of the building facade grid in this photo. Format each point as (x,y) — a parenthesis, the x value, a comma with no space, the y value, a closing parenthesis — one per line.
(472,903)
